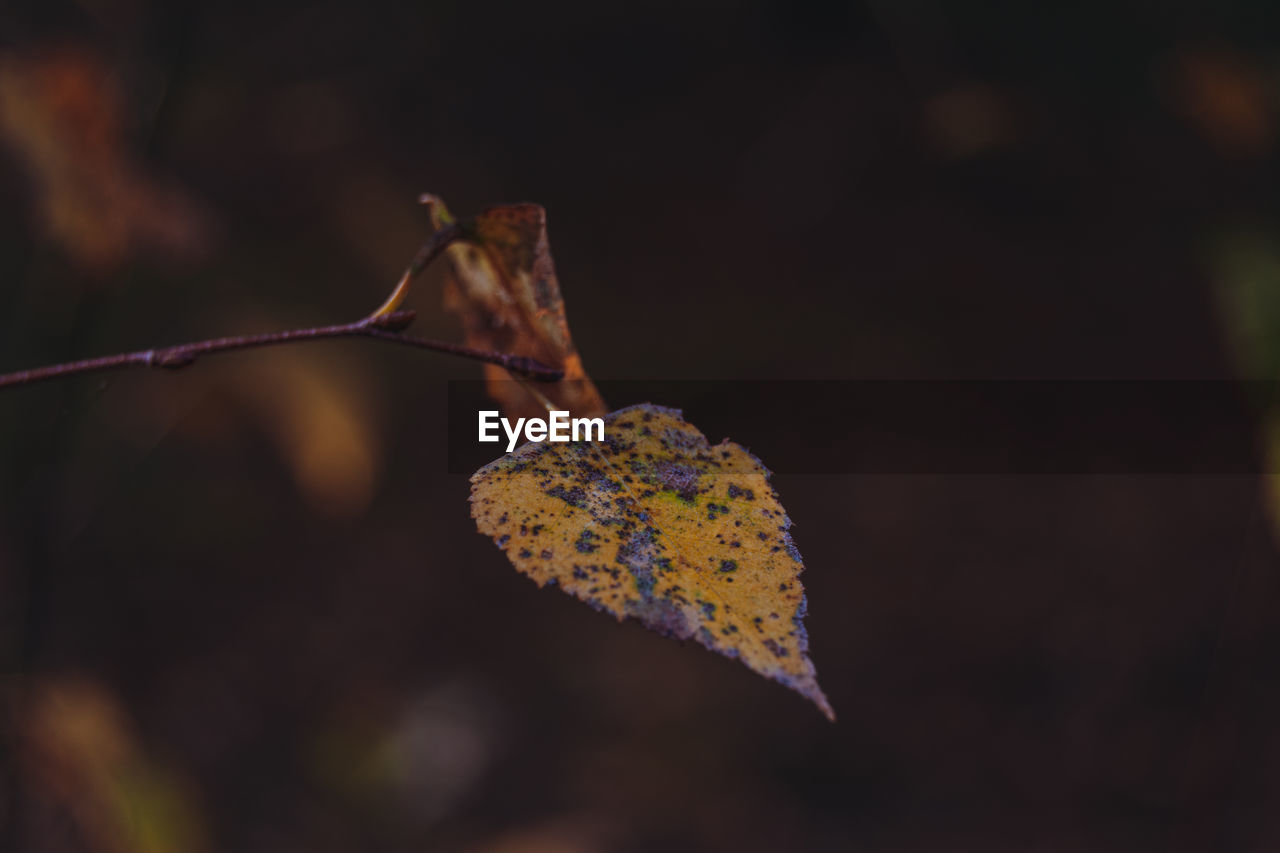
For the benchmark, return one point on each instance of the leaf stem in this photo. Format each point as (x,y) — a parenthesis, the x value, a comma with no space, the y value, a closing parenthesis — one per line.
(384,324)
(430,250)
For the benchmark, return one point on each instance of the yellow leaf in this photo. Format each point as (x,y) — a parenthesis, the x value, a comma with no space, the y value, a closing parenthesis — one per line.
(503,286)
(656,524)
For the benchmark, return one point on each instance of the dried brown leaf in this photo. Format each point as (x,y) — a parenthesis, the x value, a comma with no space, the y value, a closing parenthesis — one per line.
(503,286)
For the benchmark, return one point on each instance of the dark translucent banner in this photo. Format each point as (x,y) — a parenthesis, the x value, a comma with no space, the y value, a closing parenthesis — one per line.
(951,427)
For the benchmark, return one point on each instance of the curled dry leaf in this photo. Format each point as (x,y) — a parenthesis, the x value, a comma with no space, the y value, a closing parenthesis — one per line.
(503,286)
(656,524)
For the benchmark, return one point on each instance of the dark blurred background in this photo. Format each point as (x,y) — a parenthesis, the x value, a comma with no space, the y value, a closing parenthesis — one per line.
(243,607)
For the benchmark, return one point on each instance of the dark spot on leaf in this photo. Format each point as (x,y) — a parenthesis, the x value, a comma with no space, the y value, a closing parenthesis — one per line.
(573,497)
(658,614)
(543,293)
(640,550)
(681,479)
(586,541)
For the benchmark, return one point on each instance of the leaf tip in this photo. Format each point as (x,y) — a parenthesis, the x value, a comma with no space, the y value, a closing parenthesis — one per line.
(819,698)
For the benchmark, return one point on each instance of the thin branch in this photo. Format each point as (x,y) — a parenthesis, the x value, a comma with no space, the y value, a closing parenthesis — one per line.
(380,328)
(385,324)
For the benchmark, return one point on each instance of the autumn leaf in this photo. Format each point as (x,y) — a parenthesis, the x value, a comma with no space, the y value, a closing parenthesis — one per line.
(61,115)
(656,524)
(503,286)
(88,768)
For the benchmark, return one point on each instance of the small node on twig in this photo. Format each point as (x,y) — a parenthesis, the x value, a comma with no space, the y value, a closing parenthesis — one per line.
(533,369)
(170,358)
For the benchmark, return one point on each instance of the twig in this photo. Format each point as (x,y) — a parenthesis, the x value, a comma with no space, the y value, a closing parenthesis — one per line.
(530,368)
(385,324)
